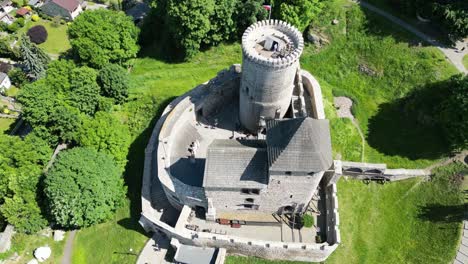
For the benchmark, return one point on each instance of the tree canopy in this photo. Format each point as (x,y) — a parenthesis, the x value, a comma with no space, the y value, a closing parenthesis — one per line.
(114,82)
(106,133)
(83,187)
(103,36)
(54,105)
(34,59)
(21,164)
(192,25)
(299,12)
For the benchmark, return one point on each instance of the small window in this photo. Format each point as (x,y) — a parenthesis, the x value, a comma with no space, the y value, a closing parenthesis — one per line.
(245,191)
(311,173)
(290,196)
(288,173)
(255,191)
(247,90)
(249,200)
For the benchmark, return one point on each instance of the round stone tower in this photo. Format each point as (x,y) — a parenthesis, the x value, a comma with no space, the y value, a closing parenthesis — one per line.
(270,60)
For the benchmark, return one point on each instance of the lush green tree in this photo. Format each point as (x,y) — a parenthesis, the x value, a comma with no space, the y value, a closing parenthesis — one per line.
(102,36)
(106,133)
(21,165)
(39,102)
(453,114)
(454,17)
(84,187)
(114,82)
(188,21)
(299,12)
(222,25)
(85,91)
(34,59)
(58,75)
(64,123)
(248,12)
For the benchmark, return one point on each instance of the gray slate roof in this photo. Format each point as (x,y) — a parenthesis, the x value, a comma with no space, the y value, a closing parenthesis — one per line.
(195,255)
(236,164)
(299,144)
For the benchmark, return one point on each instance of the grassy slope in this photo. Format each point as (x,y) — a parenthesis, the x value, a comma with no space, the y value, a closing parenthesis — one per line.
(401,66)
(403,222)
(24,245)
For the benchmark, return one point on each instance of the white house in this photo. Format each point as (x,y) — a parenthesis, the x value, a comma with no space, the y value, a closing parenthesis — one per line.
(5,82)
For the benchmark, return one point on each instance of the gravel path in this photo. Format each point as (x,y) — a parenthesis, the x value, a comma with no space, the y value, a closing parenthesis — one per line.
(68,250)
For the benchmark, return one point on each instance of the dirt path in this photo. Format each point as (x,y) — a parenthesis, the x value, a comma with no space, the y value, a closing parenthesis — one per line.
(451,53)
(68,250)
(363,139)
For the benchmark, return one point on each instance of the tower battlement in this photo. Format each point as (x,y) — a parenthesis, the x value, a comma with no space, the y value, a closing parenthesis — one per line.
(255,36)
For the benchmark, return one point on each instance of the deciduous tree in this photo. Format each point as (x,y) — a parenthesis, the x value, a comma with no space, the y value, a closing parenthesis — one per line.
(106,133)
(102,36)
(84,187)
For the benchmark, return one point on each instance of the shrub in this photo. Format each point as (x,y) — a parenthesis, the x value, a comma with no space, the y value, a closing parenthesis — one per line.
(37,34)
(35,18)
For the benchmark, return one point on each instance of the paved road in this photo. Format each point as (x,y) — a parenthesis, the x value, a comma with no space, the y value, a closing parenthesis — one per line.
(154,255)
(452,53)
(68,250)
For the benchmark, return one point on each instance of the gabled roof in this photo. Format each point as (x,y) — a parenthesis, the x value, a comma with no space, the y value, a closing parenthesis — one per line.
(22,11)
(69,5)
(236,164)
(299,144)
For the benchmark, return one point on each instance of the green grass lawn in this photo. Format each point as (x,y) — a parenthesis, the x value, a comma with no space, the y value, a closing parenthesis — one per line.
(411,221)
(465,61)
(5,124)
(402,67)
(25,245)
(57,39)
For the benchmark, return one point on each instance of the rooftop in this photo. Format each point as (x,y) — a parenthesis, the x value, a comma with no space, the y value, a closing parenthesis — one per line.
(69,5)
(236,163)
(299,144)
